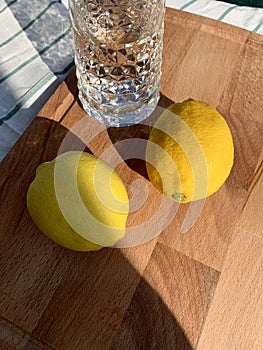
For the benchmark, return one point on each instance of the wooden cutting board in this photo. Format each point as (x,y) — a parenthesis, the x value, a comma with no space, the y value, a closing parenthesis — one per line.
(200,289)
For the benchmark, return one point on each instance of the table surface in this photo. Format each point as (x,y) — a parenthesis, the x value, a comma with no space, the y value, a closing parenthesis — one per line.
(201,289)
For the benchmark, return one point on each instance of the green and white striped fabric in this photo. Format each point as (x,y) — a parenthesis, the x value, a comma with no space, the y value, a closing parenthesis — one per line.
(249,18)
(36,53)
(35,56)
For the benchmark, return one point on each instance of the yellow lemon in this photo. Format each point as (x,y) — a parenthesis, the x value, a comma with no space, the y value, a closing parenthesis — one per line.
(79,201)
(190,151)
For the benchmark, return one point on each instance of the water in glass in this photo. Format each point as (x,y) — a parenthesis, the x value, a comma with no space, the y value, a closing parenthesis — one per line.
(118,54)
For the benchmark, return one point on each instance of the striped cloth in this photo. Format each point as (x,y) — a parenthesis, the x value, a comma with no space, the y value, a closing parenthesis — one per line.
(36,53)
(252,3)
(35,56)
(250,18)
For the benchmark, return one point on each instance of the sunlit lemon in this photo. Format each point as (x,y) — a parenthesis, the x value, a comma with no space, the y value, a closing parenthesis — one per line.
(190,151)
(79,202)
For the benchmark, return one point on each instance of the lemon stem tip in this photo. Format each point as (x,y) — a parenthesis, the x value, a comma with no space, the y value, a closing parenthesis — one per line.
(178,196)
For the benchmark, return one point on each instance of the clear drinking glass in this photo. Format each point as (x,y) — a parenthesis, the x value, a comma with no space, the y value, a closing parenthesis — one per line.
(118,55)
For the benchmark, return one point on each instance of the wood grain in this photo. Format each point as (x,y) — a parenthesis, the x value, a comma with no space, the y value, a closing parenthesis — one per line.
(89,304)
(199,289)
(196,56)
(13,337)
(235,317)
(166,300)
(251,217)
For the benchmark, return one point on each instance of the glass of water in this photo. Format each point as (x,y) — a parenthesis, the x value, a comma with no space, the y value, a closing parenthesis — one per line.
(118,56)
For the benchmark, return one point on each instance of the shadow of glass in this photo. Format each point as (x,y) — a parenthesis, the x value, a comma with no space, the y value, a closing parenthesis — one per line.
(93,300)
(132,133)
